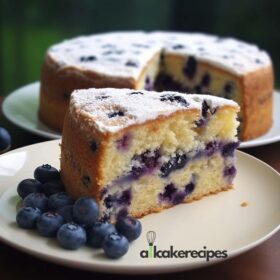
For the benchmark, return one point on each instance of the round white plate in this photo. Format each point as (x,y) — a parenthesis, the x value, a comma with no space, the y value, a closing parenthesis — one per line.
(21,108)
(217,222)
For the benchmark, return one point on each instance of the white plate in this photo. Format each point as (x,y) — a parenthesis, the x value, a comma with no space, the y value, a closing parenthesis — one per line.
(21,108)
(217,222)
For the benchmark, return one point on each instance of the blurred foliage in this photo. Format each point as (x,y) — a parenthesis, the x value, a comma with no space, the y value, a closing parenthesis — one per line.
(29,27)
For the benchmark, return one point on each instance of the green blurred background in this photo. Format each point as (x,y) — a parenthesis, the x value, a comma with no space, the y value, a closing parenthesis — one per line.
(28,28)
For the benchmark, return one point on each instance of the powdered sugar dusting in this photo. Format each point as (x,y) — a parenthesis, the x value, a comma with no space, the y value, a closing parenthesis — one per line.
(125,54)
(114,109)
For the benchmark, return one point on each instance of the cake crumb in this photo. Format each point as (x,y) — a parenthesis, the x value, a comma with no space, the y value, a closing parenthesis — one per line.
(244,204)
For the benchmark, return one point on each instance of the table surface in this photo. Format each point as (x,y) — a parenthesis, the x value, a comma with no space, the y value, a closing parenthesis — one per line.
(261,263)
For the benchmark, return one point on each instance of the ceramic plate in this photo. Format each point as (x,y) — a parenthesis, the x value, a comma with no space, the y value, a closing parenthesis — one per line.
(217,222)
(21,108)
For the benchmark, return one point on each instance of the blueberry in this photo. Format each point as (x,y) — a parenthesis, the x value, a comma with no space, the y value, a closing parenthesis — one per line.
(93,146)
(85,211)
(71,236)
(175,98)
(146,162)
(178,47)
(53,187)
(229,171)
(228,149)
(66,212)
(102,97)
(49,223)
(28,186)
(97,232)
(59,200)
(205,80)
(177,162)
(46,173)
(5,139)
(115,245)
(129,227)
(178,197)
(189,188)
(212,147)
(124,142)
(88,58)
(169,192)
(116,114)
(204,109)
(36,200)
(131,63)
(228,89)
(125,198)
(27,217)
(190,69)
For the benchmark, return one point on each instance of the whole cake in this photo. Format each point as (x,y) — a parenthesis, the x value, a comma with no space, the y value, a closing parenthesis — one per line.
(159,61)
(138,152)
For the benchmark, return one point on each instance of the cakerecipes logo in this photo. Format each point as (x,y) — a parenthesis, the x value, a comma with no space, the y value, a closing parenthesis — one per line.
(171,252)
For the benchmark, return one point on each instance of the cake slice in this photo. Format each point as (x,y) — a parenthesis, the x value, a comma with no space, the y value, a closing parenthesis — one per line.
(138,152)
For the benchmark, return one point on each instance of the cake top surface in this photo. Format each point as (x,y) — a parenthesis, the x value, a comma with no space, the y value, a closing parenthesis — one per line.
(111,110)
(125,54)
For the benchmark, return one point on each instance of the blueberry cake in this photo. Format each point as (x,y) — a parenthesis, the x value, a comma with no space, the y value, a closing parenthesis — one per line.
(138,152)
(183,62)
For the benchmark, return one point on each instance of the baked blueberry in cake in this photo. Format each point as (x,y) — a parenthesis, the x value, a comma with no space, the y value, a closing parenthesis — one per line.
(138,152)
(184,62)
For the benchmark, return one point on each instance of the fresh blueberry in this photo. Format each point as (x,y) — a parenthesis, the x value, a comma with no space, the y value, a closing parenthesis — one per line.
(27,217)
(115,245)
(28,186)
(130,227)
(49,223)
(59,200)
(66,212)
(46,173)
(71,236)
(5,139)
(85,211)
(97,232)
(36,200)
(52,187)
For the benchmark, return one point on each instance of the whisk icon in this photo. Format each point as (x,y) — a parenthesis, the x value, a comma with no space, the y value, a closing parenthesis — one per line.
(151,237)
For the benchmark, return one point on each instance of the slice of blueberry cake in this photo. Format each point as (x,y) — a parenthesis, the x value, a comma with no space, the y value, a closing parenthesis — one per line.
(139,152)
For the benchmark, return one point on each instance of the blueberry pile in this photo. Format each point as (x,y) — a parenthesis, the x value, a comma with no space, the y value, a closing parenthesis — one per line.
(49,209)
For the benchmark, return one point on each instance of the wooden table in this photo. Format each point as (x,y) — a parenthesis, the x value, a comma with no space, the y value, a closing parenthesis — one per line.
(260,263)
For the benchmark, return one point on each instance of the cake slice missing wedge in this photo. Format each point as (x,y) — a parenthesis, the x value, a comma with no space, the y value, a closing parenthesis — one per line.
(138,152)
